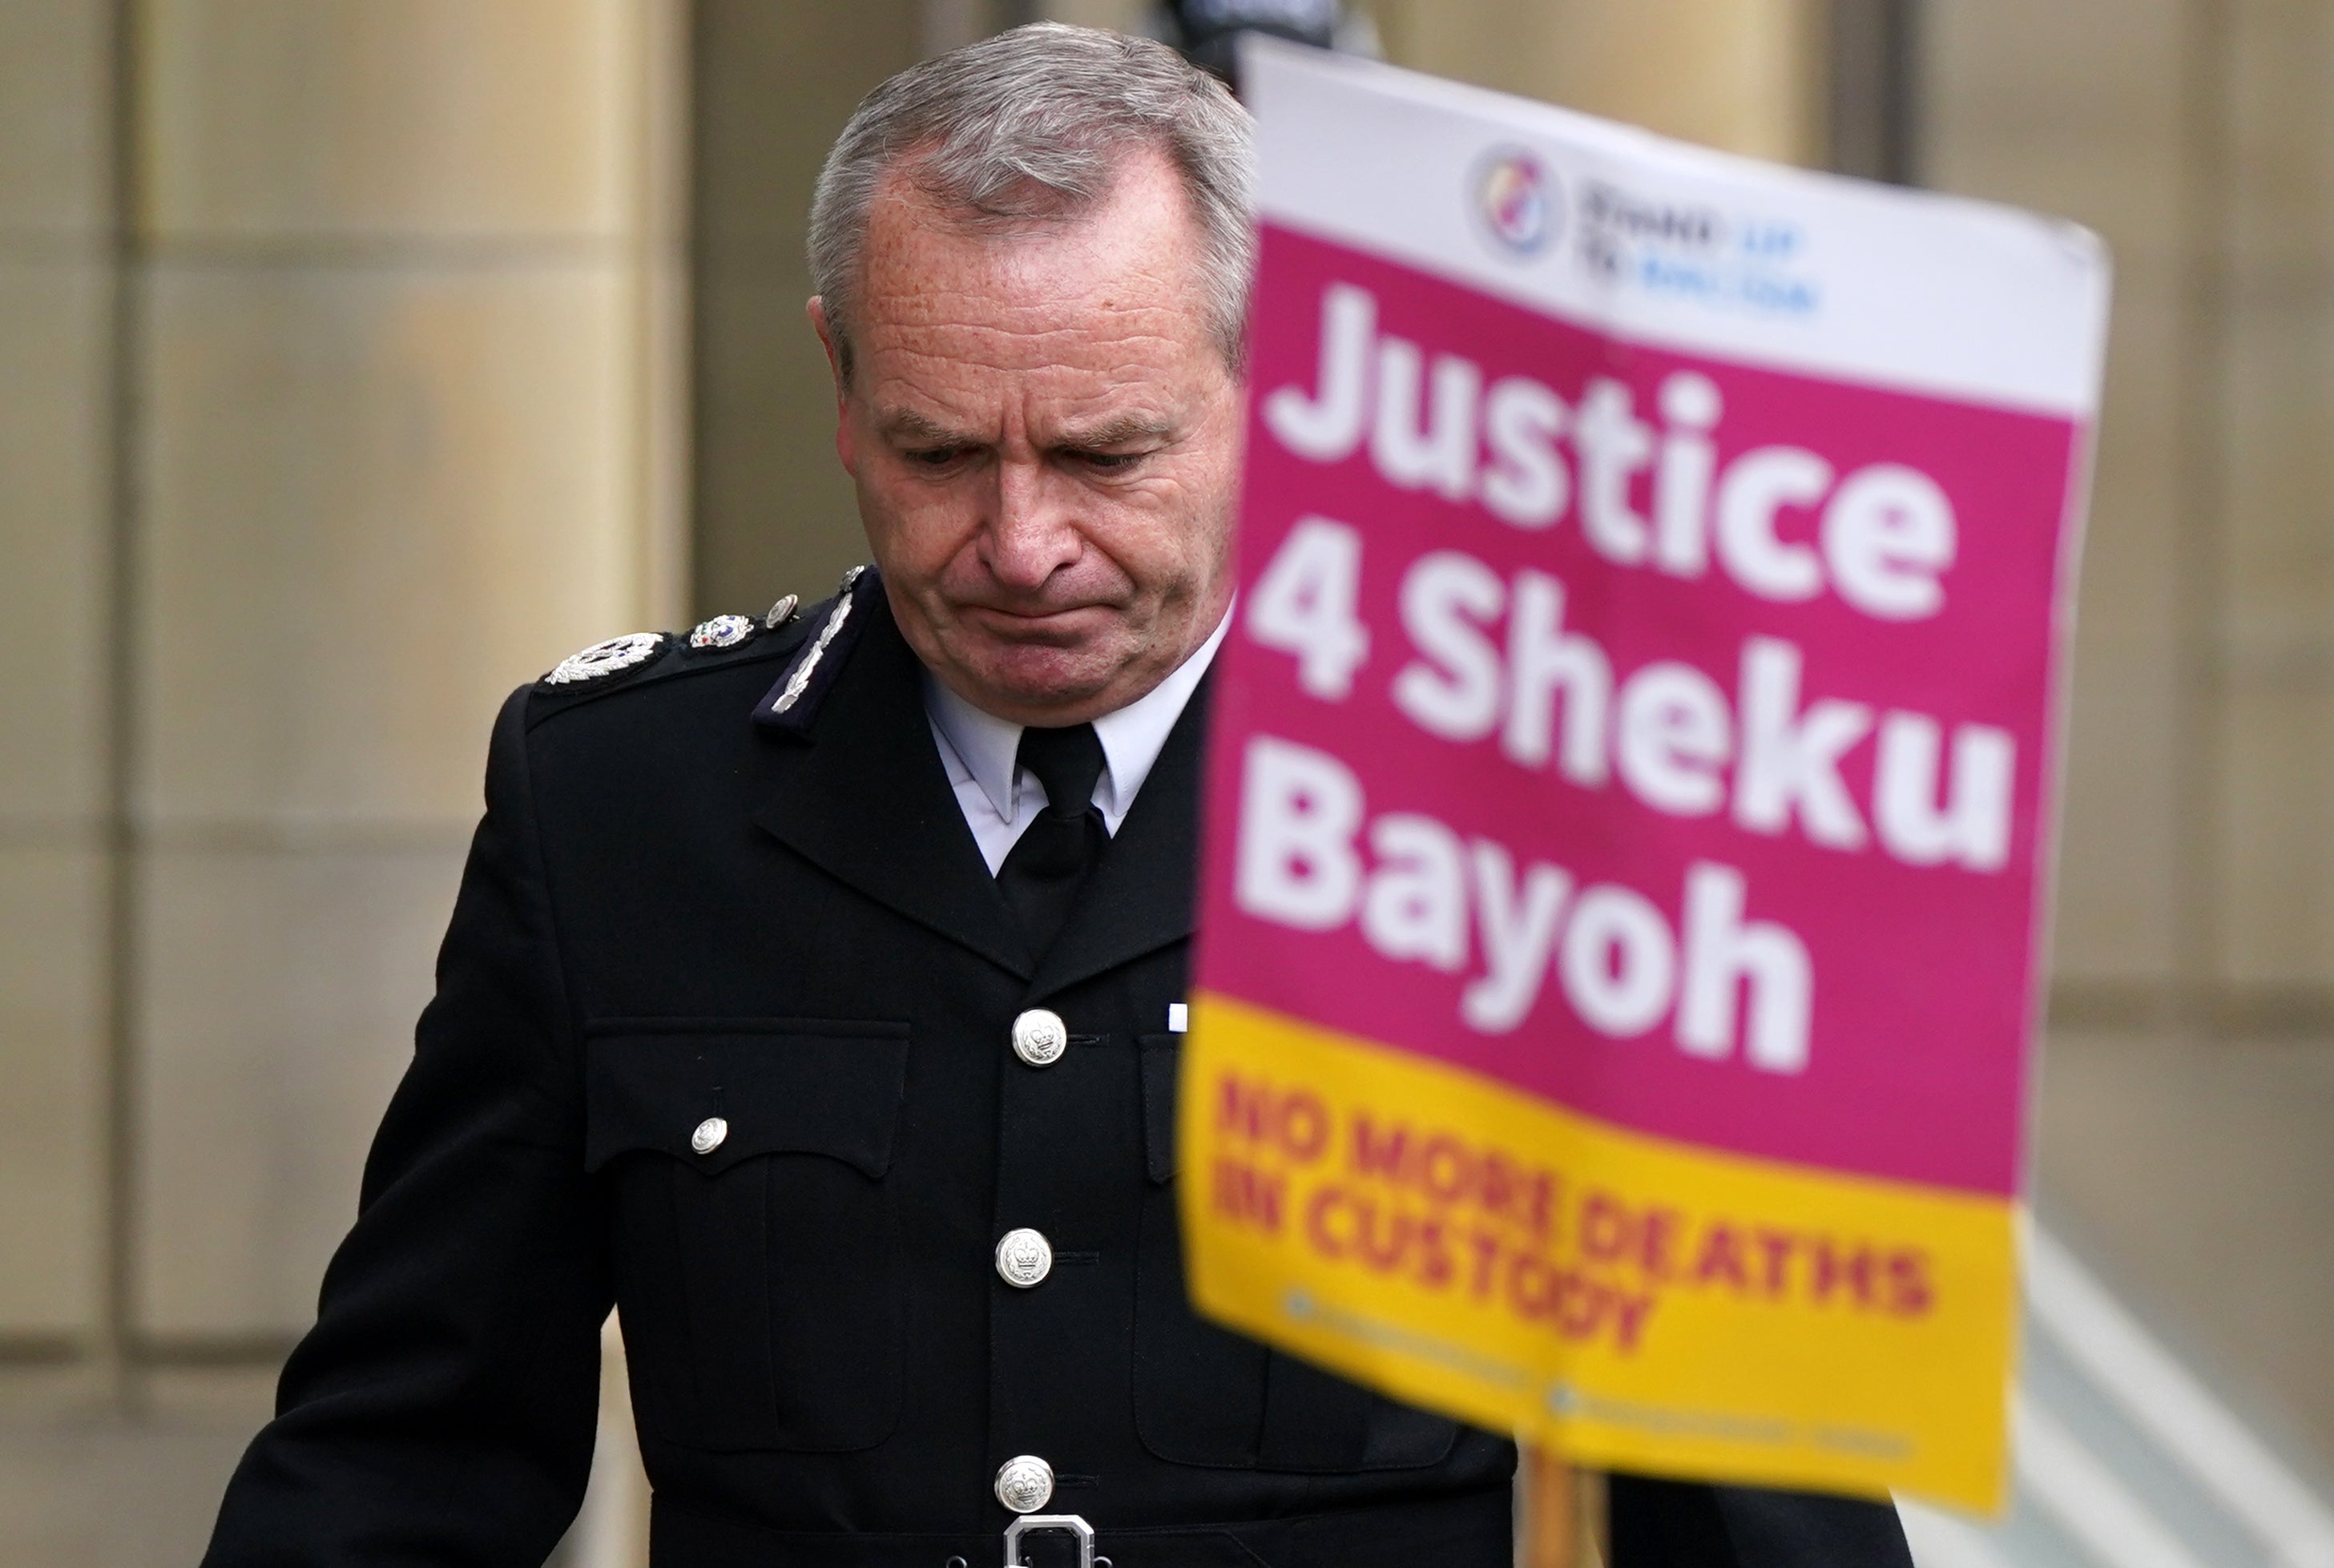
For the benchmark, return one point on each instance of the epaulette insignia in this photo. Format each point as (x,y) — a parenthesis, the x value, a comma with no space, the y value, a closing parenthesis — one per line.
(781,613)
(722,631)
(603,660)
(791,704)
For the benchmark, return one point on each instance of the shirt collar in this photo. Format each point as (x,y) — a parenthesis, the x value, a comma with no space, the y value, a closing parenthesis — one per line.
(1132,736)
(986,744)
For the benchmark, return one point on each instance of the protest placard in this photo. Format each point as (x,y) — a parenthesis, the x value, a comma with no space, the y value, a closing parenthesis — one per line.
(1631,783)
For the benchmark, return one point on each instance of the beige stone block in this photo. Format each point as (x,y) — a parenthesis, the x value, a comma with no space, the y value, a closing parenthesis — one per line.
(366,117)
(2120,833)
(37,1390)
(776,514)
(2277,431)
(275,1016)
(2281,140)
(54,593)
(2274,864)
(378,499)
(54,968)
(2074,107)
(2132,545)
(1741,74)
(227,1394)
(114,1492)
(2194,1175)
(55,101)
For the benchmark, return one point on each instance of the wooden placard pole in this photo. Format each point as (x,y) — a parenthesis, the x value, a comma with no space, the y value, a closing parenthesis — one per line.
(1562,1523)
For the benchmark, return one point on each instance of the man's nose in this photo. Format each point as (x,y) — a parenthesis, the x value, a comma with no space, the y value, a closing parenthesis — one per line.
(1031,532)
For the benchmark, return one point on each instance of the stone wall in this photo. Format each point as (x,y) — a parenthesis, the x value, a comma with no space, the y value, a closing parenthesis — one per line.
(338,375)
(2186,1137)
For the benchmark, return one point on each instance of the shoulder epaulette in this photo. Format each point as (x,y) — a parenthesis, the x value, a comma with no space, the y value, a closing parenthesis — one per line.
(621,662)
(791,705)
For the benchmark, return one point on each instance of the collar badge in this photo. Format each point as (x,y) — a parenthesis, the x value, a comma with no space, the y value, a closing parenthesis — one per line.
(722,631)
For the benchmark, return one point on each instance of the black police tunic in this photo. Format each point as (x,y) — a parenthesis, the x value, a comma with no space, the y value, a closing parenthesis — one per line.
(722,1036)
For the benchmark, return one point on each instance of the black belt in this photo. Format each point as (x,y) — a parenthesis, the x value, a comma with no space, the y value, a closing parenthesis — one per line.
(1472,1530)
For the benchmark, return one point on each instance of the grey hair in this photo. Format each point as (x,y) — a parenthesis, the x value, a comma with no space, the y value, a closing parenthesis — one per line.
(1030,127)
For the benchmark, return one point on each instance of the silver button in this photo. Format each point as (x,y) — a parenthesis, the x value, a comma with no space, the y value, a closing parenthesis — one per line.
(709,1135)
(1039,1038)
(1025,1257)
(1024,1483)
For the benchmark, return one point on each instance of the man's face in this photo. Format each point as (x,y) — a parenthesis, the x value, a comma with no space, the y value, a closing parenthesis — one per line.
(1046,439)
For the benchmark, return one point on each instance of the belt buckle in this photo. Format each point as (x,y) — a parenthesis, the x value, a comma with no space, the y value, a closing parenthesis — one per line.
(1069,1522)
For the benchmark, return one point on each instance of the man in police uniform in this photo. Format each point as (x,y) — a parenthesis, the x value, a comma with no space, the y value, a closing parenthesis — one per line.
(813,990)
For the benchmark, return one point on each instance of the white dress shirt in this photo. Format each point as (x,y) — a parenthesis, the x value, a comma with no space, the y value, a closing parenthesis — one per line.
(999,798)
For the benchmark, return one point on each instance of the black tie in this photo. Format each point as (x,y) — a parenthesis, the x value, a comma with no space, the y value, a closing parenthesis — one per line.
(1048,864)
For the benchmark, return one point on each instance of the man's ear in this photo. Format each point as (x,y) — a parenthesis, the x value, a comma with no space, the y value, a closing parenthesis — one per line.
(816,311)
(843,449)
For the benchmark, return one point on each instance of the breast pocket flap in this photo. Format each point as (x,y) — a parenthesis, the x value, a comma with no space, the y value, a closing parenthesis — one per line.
(712,1095)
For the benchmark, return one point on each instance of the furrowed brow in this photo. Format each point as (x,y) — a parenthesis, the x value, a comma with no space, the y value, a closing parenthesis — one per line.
(907,425)
(1124,430)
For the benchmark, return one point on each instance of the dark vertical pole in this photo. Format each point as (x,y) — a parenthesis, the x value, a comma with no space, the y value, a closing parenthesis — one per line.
(127,374)
(1875,89)
(2199,692)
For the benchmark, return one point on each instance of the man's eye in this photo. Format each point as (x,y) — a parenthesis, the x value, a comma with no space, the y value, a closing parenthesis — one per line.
(935,456)
(1109,462)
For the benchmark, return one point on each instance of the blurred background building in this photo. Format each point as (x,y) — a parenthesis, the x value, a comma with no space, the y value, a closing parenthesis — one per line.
(361,357)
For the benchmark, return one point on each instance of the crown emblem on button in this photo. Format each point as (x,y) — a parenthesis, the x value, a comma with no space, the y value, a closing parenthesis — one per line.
(1024,1483)
(1024,1257)
(1039,1038)
(709,1135)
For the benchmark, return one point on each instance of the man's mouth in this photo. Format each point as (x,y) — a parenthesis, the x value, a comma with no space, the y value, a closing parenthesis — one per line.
(1033,624)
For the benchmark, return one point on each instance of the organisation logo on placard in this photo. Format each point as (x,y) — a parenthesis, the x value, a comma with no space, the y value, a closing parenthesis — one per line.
(1517,204)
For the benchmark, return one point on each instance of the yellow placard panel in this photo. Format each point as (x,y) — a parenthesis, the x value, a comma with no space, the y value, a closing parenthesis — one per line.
(1624,1299)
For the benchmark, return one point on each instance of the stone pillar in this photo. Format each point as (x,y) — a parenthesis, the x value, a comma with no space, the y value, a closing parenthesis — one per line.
(58,606)
(338,395)
(340,390)
(2190,1074)
(404,274)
